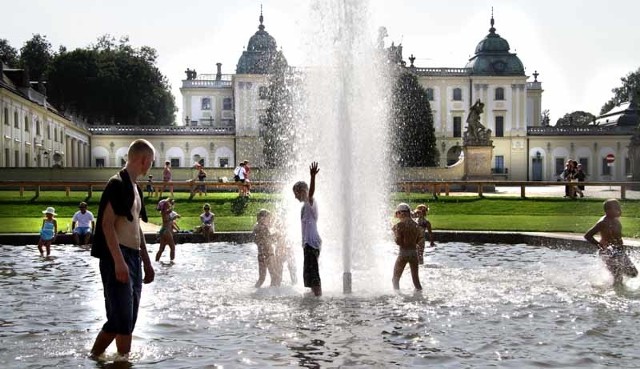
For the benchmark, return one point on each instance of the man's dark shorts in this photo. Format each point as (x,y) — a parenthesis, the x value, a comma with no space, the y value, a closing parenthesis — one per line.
(121,299)
(310,270)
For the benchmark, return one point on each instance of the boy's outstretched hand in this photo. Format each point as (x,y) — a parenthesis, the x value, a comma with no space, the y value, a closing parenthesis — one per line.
(313,169)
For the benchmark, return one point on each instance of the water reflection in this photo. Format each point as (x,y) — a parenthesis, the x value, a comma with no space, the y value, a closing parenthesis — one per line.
(482,305)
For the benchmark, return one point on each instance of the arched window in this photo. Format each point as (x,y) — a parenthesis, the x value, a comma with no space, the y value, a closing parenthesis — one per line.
(457,94)
(499,93)
(430,94)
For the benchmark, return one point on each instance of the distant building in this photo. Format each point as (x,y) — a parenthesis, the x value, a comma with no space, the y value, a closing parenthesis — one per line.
(222,115)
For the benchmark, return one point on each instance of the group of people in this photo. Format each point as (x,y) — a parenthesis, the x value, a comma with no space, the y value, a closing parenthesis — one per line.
(573,172)
(82,225)
(241,176)
(124,261)
(166,182)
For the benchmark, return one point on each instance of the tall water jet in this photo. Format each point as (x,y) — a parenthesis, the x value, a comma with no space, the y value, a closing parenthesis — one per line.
(344,128)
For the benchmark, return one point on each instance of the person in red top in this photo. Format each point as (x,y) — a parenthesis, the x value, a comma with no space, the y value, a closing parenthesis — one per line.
(247,182)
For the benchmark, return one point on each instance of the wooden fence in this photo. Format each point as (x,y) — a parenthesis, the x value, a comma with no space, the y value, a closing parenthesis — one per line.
(434,187)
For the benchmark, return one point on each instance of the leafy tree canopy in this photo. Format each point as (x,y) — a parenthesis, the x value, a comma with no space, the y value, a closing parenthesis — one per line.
(8,54)
(413,135)
(576,119)
(36,56)
(111,82)
(630,87)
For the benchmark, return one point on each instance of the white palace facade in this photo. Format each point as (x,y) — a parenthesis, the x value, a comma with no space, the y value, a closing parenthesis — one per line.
(221,115)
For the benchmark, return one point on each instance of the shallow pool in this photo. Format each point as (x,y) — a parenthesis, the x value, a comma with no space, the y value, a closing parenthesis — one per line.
(511,306)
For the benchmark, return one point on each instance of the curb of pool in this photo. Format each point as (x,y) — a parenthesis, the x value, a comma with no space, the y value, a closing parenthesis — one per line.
(553,240)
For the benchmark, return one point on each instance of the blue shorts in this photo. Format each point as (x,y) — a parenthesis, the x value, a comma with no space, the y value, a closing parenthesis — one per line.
(81,231)
(121,300)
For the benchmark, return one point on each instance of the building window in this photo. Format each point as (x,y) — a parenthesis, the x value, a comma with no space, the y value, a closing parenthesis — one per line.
(224,162)
(55,134)
(16,124)
(27,162)
(559,166)
(99,162)
(499,126)
(499,93)
(606,167)
(430,94)
(499,167)
(7,158)
(6,116)
(48,131)
(206,103)
(26,124)
(227,104)
(175,162)
(37,127)
(263,92)
(627,166)
(457,94)
(16,157)
(457,126)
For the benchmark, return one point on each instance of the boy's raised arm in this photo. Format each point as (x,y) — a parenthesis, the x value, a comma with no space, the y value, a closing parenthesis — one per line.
(313,170)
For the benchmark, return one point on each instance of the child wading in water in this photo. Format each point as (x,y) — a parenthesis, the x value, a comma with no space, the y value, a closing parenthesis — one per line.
(407,235)
(611,248)
(264,241)
(311,241)
(425,226)
(48,231)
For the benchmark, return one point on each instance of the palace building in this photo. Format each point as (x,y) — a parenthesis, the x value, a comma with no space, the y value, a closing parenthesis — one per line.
(221,119)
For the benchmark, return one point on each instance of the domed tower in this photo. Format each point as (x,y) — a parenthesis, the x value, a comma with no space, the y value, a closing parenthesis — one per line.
(261,55)
(492,57)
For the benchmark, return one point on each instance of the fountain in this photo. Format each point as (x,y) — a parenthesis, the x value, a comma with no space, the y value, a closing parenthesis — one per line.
(345,109)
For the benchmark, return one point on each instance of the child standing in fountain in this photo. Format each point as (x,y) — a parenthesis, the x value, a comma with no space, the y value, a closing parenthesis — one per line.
(48,231)
(425,227)
(311,241)
(611,248)
(407,235)
(264,241)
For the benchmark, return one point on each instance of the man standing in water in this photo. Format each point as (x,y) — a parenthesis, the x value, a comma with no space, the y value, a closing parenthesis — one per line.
(119,244)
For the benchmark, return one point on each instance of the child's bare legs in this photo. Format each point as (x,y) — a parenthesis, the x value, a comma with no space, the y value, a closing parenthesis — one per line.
(291,264)
(413,264)
(420,250)
(275,271)
(40,247)
(172,250)
(398,268)
(262,271)
(160,251)
(47,245)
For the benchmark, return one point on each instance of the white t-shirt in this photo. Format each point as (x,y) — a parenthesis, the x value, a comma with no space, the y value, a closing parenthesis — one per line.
(83,220)
(309,221)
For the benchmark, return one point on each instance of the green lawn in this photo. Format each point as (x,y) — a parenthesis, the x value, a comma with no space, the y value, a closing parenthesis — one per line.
(24,214)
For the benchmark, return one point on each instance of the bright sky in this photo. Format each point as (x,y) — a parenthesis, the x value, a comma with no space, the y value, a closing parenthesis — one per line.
(581,48)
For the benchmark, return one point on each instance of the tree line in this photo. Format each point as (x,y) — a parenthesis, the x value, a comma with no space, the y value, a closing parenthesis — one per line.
(109,82)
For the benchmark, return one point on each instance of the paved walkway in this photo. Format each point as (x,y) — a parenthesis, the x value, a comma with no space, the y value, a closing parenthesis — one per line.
(593,192)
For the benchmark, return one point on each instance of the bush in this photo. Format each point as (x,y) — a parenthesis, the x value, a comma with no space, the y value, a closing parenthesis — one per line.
(239,205)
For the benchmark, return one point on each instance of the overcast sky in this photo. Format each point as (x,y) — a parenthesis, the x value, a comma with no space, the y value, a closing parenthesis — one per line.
(581,48)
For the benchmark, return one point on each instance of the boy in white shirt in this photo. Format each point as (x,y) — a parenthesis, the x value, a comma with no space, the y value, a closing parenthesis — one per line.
(311,241)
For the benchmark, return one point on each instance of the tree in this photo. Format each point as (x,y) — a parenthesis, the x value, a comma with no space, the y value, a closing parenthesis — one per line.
(630,87)
(36,56)
(278,128)
(576,119)
(111,83)
(413,136)
(8,54)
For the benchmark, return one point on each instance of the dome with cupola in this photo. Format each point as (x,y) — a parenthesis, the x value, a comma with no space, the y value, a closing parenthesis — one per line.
(492,57)
(261,55)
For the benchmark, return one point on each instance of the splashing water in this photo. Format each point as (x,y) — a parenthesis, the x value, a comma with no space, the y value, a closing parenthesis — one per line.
(344,129)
